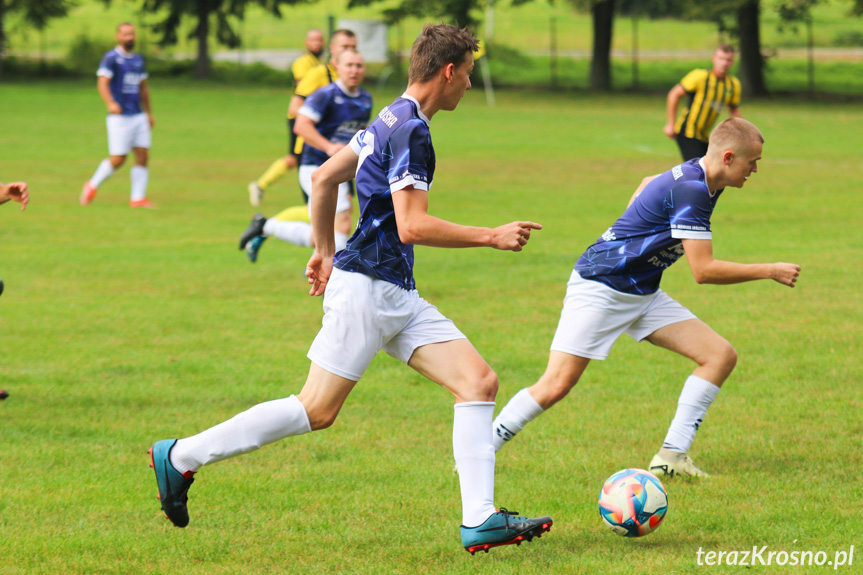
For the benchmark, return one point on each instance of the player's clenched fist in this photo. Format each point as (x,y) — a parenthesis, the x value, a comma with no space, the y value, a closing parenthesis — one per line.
(786,274)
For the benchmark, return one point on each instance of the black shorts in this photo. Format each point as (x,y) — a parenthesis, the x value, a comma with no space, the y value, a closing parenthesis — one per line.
(690,147)
(292,139)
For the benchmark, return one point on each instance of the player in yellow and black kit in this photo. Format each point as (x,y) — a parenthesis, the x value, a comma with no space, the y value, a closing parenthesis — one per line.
(310,75)
(709,91)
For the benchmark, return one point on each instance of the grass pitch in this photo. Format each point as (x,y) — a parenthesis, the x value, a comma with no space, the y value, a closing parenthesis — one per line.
(120,327)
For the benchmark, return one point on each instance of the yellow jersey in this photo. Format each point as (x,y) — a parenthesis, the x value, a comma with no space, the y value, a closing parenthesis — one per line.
(707,96)
(302,65)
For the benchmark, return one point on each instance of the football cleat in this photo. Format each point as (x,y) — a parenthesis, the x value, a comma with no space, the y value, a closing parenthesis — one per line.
(503,528)
(253,246)
(173,485)
(674,464)
(256,228)
(256,194)
(87,194)
(144,203)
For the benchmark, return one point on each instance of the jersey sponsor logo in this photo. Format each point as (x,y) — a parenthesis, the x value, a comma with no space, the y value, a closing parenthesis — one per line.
(609,236)
(677,172)
(688,228)
(387,117)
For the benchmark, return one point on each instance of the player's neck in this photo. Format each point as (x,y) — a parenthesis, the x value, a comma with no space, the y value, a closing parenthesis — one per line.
(123,52)
(713,175)
(427,98)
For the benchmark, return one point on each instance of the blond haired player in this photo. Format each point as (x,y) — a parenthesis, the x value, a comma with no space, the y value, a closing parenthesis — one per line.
(614,289)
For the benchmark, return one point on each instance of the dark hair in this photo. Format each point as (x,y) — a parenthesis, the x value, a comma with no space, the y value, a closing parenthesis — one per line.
(437,46)
(725,48)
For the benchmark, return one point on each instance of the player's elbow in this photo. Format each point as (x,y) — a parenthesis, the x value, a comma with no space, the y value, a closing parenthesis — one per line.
(701,277)
(408,234)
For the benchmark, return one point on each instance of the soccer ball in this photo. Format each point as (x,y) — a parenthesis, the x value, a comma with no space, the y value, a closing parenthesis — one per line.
(633,502)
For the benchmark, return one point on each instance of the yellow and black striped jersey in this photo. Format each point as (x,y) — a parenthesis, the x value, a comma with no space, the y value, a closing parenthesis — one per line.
(707,96)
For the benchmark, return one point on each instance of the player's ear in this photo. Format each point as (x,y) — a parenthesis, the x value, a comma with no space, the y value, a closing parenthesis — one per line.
(449,72)
(727,157)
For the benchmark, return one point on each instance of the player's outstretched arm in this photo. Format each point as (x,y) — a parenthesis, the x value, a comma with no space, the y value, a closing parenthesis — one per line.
(707,270)
(417,227)
(15,191)
(325,185)
(674,96)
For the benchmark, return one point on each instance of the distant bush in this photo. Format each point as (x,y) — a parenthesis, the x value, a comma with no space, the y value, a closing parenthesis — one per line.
(85,54)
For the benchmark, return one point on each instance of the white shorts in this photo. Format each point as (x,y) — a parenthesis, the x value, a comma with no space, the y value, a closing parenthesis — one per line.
(344,202)
(594,316)
(363,315)
(127,132)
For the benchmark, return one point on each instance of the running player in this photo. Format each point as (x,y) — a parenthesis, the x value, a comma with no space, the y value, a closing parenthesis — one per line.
(371,302)
(308,80)
(327,121)
(709,91)
(614,289)
(122,84)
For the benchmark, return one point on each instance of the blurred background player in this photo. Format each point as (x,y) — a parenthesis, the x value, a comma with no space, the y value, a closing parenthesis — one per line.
(614,289)
(311,80)
(314,48)
(327,121)
(122,84)
(709,91)
(371,303)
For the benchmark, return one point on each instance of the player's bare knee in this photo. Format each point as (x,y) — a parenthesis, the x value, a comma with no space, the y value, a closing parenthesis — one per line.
(321,418)
(480,386)
(117,161)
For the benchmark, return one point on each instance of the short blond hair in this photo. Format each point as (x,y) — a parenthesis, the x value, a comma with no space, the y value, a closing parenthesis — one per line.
(733,133)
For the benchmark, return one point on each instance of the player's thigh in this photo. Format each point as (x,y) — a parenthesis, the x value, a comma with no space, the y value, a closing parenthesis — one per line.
(120,135)
(141,133)
(458,367)
(694,339)
(593,317)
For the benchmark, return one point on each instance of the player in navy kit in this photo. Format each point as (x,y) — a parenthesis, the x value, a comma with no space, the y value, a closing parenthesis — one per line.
(327,121)
(370,301)
(614,289)
(122,84)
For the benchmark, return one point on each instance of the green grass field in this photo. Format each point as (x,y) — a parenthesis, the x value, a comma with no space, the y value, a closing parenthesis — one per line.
(121,327)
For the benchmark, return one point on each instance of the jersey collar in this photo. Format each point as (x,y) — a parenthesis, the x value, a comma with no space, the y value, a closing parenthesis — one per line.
(419,110)
(122,52)
(345,90)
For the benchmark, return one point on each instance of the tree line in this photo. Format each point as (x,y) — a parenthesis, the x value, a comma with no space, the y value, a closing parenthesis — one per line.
(739,18)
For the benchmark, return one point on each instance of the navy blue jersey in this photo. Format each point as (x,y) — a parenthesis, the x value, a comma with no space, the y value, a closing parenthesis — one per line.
(126,71)
(337,115)
(632,254)
(395,152)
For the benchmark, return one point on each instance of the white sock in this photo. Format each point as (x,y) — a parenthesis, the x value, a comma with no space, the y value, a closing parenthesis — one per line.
(474,457)
(298,233)
(103,172)
(139,176)
(696,397)
(248,431)
(521,410)
(341,241)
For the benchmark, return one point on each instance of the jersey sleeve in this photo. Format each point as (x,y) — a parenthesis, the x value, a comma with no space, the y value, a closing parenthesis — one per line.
(410,150)
(692,80)
(689,209)
(106,66)
(734,102)
(315,106)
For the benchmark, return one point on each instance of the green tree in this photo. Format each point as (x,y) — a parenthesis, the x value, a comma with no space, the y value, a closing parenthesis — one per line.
(206,13)
(37,13)
(455,12)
